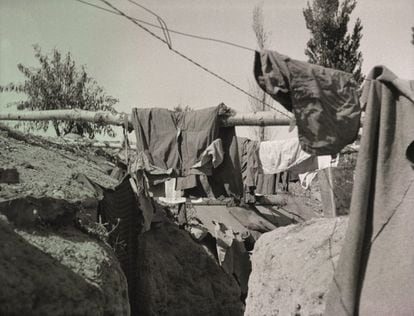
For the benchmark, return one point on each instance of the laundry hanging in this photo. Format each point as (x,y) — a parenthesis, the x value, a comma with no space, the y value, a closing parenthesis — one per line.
(175,143)
(324,101)
(189,146)
(281,155)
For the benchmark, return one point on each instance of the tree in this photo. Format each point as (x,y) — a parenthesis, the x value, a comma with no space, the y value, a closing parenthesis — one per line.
(262,37)
(59,84)
(331,45)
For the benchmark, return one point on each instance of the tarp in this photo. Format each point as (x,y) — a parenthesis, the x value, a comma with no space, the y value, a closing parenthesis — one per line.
(375,271)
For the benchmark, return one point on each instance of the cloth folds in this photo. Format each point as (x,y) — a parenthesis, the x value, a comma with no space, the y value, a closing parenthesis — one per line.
(225,180)
(375,271)
(281,155)
(176,143)
(324,101)
(189,146)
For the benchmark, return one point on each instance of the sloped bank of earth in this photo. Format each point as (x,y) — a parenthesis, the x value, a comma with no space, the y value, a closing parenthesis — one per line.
(55,269)
(49,264)
(292,268)
(46,169)
(177,276)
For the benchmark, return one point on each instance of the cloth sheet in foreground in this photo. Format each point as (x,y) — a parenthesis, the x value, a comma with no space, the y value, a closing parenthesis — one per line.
(375,271)
(324,101)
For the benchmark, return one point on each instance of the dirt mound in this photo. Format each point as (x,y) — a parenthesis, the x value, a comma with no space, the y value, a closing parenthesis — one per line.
(178,276)
(50,270)
(293,266)
(49,169)
(65,271)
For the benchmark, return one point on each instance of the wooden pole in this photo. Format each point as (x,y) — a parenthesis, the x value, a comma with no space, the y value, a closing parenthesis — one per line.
(66,115)
(263,118)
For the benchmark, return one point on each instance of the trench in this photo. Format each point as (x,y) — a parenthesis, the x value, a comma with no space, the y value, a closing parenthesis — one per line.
(169,268)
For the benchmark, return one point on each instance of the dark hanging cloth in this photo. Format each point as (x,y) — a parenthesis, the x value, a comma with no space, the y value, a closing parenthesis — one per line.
(169,144)
(375,271)
(226,179)
(173,142)
(250,163)
(324,101)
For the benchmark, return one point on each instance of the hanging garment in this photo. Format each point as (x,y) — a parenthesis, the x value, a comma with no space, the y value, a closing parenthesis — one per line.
(306,174)
(250,166)
(324,101)
(177,143)
(281,155)
(271,184)
(225,180)
(254,181)
(375,271)
(249,160)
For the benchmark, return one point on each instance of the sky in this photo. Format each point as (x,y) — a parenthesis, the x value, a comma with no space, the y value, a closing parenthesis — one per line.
(142,72)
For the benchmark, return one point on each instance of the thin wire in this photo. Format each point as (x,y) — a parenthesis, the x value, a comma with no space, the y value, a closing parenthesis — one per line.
(163,25)
(191,60)
(205,38)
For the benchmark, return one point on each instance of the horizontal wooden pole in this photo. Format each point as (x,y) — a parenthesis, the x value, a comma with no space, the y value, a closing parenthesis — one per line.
(265,118)
(262,118)
(67,115)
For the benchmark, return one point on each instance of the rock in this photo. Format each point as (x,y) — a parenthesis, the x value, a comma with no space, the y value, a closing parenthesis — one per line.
(27,211)
(27,165)
(49,271)
(292,268)
(178,277)
(58,194)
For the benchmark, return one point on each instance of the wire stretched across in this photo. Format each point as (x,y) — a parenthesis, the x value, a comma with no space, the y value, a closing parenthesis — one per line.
(205,38)
(189,59)
(163,25)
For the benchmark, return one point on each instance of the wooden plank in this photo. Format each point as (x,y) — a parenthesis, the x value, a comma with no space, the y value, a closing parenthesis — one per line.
(326,184)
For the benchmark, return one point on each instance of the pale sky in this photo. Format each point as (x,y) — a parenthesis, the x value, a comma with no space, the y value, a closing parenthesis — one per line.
(140,71)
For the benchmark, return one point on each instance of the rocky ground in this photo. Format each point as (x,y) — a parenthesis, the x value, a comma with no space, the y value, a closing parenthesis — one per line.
(293,266)
(49,263)
(50,168)
(50,267)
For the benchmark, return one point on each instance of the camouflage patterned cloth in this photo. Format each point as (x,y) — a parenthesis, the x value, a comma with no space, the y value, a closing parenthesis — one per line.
(324,101)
